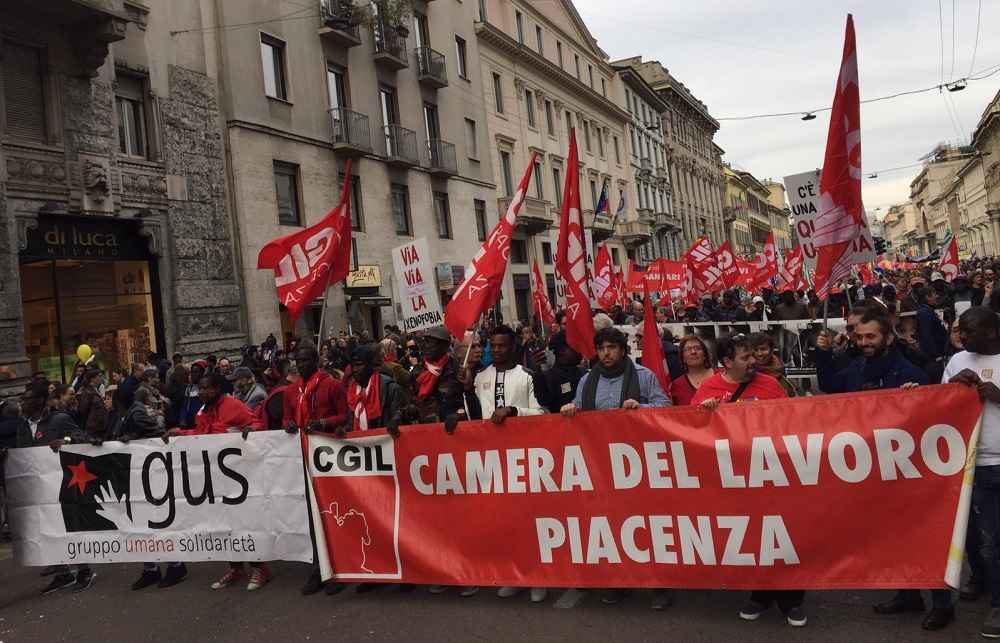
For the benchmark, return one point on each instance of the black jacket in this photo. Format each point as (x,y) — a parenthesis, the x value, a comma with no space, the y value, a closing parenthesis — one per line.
(557,386)
(392,398)
(138,424)
(54,425)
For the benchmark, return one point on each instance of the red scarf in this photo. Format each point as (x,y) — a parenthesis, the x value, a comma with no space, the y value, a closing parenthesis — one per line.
(366,403)
(307,391)
(427,380)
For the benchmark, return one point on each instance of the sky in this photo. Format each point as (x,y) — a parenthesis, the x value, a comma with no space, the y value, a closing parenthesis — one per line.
(757,56)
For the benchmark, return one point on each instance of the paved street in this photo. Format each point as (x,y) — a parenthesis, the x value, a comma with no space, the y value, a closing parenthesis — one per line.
(192,612)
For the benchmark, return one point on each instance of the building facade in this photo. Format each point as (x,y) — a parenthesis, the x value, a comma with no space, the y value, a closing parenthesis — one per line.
(694,161)
(543,75)
(753,214)
(935,219)
(116,228)
(986,141)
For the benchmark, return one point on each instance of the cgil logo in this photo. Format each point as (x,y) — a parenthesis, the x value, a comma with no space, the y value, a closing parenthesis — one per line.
(96,492)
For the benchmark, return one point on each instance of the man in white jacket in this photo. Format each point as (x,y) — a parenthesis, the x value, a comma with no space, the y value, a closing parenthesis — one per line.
(505,388)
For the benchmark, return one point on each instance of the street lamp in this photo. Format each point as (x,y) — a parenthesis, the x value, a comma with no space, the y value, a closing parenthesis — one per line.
(808,116)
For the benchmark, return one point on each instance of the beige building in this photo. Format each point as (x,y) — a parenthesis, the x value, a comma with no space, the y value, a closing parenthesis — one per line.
(986,141)
(402,99)
(694,161)
(751,213)
(899,229)
(934,217)
(116,227)
(543,74)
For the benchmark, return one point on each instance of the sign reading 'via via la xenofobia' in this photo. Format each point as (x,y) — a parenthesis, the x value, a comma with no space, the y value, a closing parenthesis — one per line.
(417,293)
(216,497)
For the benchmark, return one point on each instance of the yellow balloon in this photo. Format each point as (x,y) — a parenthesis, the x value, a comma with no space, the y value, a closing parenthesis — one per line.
(84,352)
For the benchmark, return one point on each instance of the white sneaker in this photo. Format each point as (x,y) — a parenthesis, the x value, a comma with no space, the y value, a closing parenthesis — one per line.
(538,594)
(507,592)
(471,590)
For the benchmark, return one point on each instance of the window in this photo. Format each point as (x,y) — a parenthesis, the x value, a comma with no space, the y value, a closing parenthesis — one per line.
(559,53)
(618,154)
(604,87)
(442,215)
(590,75)
(628,101)
(272,55)
(586,134)
(498,92)
(335,87)
(539,192)
(600,140)
(576,61)
(400,198)
(356,210)
(131,116)
(463,70)
(286,188)
(505,171)
(23,93)
(518,251)
(480,207)
(529,103)
(557,182)
(569,124)
(614,256)
(471,139)
(546,253)
(482,11)
(519,19)
(549,120)
(538,39)
(593,192)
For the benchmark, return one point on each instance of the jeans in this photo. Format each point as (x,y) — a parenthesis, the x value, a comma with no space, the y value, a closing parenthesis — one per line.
(986,506)
(785,598)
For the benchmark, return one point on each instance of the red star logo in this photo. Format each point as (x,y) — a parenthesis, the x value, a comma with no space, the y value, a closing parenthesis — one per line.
(80,476)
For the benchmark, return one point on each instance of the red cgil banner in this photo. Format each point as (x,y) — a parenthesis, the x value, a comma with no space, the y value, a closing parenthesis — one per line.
(813,493)
(662,276)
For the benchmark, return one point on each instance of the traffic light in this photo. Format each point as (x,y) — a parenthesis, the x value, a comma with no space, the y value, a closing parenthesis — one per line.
(880,247)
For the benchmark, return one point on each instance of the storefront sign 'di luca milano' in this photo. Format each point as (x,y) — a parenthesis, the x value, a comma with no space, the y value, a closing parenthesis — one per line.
(67,238)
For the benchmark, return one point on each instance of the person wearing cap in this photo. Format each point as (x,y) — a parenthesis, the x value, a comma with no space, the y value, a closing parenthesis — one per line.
(374,399)
(247,389)
(757,311)
(438,394)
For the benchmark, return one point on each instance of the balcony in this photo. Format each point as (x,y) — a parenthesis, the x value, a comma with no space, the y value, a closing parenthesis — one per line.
(602,227)
(534,216)
(646,214)
(400,146)
(351,134)
(92,25)
(390,47)
(431,69)
(441,158)
(646,166)
(339,23)
(635,233)
(663,173)
(666,221)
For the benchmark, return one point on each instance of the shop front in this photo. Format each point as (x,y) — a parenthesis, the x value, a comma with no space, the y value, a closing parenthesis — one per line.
(88,281)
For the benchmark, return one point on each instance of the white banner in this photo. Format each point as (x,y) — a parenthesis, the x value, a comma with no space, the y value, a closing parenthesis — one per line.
(803,198)
(214,497)
(417,294)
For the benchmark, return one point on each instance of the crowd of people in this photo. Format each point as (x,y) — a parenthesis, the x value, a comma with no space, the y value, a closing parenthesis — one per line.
(906,329)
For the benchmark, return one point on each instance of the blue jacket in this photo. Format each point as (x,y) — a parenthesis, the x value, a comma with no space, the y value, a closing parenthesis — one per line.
(862,374)
(931,332)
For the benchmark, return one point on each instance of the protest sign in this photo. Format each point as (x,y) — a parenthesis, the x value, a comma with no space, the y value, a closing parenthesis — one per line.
(418,296)
(215,497)
(778,494)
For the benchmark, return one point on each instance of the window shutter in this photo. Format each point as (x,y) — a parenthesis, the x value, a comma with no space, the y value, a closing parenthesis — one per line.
(24,101)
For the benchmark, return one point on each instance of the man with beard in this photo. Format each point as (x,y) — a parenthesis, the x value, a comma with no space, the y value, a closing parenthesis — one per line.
(616,382)
(880,366)
(741,381)
(247,389)
(318,403)
(555,387)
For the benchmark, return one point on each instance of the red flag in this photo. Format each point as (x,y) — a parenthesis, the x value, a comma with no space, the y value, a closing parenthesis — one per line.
(706,275)
(623,296)
(726,262)
(841,217)
(571,260)
(661,276)
(605,284)
(652,350)
(542,306)
(306,262)
(484,276)
(866,274)
(790,272)
(765,266)
(949,260)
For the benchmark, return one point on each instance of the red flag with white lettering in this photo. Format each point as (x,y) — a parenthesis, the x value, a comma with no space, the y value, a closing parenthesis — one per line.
(543,308)
(841,218)
(605,284)
(306,262)
(726,262)
(623,296)
(484,276)
(790,271)
(652,349)
(706,275)
(571,260)
(949,260)
(765,266)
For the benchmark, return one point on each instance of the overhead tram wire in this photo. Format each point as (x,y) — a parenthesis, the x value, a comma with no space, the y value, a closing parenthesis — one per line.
(295,15)
(941,36)
(975,46)
(954,29)
(979,75)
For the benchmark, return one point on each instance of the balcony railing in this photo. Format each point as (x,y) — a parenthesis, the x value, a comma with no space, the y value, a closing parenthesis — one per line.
(635,233)
(400,146)
(351,132)
(535,215)
(390,47)
(646,166)
(431,69)
(339,22)
(441,157)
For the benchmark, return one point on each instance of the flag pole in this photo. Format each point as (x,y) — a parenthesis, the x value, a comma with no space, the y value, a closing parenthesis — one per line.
(326,303)
(329,277)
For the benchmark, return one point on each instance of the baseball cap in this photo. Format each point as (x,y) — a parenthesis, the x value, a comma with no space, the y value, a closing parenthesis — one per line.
(935,276)
(438,332)
(758,300)
(241,372)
